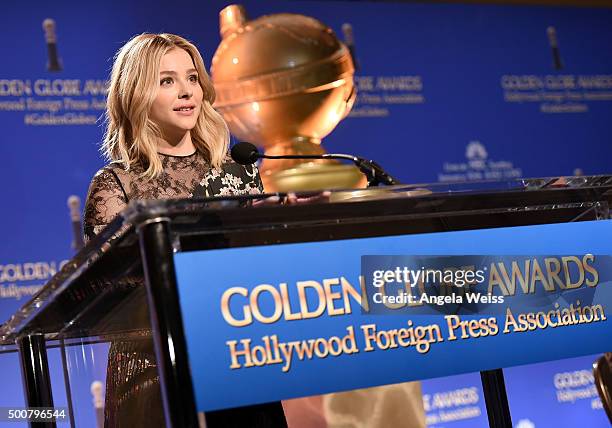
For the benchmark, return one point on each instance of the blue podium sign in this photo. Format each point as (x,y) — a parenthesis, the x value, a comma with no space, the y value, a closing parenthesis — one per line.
(274,322)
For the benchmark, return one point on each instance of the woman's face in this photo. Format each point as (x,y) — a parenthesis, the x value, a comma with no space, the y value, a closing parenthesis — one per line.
(179,96)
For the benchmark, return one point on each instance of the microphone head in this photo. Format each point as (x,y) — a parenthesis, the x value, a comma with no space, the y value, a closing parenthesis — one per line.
(49,24)
(97,391)
(347,30)
(244,153)
(49,27)
(74,203)
(551,32)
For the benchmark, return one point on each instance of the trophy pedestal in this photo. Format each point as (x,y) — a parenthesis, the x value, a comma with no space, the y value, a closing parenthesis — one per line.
(314,176)
(299,175)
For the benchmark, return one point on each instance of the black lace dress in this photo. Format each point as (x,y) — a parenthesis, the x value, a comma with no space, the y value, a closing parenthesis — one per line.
(132,381)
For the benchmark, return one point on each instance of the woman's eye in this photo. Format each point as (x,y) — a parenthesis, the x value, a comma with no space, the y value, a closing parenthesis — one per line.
(193,78)
(166,81)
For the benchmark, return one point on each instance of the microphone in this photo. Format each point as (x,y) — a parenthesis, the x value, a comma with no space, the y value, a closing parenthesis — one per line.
(551,32)
(54,63)
(349,40)
(74,203)
(246,153)
(97,391)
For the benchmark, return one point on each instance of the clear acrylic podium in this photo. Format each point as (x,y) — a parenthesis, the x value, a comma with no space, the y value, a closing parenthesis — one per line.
(101,296)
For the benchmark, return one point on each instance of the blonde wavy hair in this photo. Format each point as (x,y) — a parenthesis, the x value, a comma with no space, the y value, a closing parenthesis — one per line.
(130,136)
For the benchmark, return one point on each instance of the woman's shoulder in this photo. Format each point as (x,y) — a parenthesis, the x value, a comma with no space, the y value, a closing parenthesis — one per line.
(112,177)
(108,171)
(104,175)
(106,197)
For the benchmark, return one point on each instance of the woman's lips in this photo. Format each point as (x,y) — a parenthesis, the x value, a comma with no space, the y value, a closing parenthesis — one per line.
(185,111)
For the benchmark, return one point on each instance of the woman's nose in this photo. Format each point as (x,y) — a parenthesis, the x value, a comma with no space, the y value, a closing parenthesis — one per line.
(185,91)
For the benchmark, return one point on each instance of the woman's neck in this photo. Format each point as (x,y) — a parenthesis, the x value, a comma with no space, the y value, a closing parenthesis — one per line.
(179,147)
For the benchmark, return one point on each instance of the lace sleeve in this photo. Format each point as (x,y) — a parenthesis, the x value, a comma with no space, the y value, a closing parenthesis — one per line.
(231,179)
(105,199)
(257,181)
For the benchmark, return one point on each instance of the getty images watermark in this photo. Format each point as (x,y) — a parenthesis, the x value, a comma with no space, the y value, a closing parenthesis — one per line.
(479,284)
(445,280)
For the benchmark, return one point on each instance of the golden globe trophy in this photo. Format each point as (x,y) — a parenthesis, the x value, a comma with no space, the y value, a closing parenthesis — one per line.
(283,82)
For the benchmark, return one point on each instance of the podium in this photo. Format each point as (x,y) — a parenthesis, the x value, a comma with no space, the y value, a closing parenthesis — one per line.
(100,295)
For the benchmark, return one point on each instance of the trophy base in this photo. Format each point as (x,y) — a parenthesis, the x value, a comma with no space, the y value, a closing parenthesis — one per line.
(314,176)
(301,175)
(376,193)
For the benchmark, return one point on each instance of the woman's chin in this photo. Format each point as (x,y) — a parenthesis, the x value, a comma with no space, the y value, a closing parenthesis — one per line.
(182,126)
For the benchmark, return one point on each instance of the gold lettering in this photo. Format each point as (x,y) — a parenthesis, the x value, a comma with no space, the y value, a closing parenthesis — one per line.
(590,269)
(331,296)
(306,313)
(287,314)
(278,307)
(369,336)
(387,303)
(349,290)
(496,280)
(538,275)
(246,353)
(510,321)
(553,273)
(227,315)
(516,275)
(568,280)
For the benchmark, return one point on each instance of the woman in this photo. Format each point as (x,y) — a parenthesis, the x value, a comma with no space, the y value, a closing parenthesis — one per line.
(163,140)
